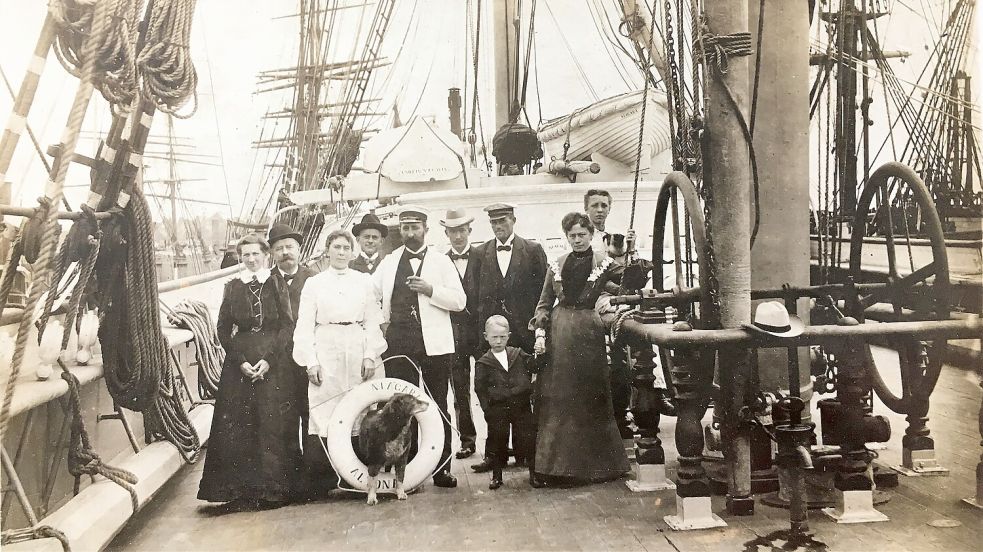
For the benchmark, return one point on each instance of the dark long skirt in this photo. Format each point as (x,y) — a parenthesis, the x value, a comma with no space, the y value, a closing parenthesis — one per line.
(254,447)
(578,437)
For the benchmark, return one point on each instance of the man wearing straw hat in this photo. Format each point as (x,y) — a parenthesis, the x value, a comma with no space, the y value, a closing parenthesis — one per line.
(467,261)
(420,288)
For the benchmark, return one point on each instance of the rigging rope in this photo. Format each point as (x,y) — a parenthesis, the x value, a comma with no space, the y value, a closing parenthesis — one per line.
(641,130)
(14,536)
(53,197)
(195,316)
(167,71)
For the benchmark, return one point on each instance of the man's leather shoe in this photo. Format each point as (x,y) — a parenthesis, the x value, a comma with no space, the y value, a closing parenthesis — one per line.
(482,467)
(445,480)
(465,452)
(495,483)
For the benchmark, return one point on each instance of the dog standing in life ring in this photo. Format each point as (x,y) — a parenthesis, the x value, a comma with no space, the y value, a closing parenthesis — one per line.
(382,434)
(384,440)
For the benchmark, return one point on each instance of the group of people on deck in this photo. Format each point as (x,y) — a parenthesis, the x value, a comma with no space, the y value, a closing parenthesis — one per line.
(298,338)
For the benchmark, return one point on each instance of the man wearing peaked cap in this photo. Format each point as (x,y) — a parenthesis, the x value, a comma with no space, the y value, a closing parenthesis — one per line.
(511,280)
(369,235)
(420,288)
(317,477)
(457,227)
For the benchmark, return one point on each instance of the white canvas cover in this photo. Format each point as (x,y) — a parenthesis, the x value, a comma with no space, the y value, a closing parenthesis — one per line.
(415,152)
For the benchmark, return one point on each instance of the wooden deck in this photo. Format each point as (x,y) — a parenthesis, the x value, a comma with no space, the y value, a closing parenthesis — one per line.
(600,517)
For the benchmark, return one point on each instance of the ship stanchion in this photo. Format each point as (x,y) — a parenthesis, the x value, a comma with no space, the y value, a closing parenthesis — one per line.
(650,457)
(917,446)
(853,481)
(692,375)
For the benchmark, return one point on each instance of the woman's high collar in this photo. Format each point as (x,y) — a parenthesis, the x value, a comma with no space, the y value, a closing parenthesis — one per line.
(246,275)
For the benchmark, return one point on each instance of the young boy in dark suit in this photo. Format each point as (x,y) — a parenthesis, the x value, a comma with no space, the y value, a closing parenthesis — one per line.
(503,384)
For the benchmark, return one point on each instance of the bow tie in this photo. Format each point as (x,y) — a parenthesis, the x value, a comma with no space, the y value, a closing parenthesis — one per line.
(504,248)
(416,255)
(288,277)
(455,256)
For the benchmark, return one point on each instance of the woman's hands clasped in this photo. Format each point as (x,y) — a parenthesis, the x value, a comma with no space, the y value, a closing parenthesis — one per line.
(255,372)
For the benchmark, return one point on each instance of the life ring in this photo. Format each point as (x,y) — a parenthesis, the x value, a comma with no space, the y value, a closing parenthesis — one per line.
(339,444)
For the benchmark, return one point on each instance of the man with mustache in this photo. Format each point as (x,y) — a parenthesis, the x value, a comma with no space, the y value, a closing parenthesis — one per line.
(318,477)
(419,288)
(369,234)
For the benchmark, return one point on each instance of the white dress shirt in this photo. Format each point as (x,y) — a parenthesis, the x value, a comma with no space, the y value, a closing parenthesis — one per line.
(504,257)
(461,264)
(415,263)
(370,261)
(503,358)
(597,242)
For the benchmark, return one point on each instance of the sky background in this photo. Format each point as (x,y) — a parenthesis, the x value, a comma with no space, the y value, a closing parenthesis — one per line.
(233,41)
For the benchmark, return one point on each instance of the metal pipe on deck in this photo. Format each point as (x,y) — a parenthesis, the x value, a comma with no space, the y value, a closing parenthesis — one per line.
(572,168)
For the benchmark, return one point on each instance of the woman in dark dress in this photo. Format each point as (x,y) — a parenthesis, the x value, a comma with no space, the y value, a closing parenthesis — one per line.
(253,454)
(578,439)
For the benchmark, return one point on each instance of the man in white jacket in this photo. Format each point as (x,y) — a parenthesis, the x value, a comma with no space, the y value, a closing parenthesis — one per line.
(419,288)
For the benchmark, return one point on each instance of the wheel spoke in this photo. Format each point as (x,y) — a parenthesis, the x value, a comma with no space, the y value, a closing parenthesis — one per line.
(895,288)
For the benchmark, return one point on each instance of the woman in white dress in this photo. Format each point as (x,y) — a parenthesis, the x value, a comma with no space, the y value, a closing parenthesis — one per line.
(338,336)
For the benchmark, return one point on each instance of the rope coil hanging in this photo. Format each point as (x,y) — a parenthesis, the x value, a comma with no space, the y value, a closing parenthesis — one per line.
(168,75)
(195,317)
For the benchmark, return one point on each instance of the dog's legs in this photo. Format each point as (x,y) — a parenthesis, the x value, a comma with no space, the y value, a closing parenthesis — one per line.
(400,471)
(371,485)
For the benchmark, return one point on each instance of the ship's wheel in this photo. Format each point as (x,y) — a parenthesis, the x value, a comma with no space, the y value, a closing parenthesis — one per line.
(684,231)
(896,230)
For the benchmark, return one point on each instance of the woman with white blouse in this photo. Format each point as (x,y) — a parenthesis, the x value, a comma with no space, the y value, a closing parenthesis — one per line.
(338,336)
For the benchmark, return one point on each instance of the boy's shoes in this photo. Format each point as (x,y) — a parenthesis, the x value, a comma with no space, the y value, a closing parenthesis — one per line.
(482,467)
(465,452)
(445,480)
(496,482)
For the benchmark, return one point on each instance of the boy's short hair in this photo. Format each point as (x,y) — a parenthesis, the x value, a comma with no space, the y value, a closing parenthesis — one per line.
(497,320)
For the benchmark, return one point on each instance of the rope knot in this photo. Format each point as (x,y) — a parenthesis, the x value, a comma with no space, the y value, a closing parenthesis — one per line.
(717,50)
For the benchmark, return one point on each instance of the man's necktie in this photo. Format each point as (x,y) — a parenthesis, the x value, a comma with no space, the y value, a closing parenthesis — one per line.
(504,248)
(456,256)
(288,277)
(416,255)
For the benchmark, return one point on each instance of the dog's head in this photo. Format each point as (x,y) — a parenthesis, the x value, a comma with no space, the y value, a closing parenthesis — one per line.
(615,244)
(406,405)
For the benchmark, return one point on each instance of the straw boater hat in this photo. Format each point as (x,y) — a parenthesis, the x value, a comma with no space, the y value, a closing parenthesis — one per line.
(281,231)
(370,222)
(498,211)
(413,214)
(771,318)
(455,218)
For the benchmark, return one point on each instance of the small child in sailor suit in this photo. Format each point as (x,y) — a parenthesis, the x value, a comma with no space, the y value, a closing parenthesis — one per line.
(503,384)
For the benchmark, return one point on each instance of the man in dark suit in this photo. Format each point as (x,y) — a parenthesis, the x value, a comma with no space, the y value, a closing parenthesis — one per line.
(512,273)
(318,478)
(512,278)
(457,227)
(369,234)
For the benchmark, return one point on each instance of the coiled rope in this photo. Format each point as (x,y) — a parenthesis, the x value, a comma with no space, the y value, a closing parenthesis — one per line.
(116,77)
(195,317)
(136,360)
(168,74)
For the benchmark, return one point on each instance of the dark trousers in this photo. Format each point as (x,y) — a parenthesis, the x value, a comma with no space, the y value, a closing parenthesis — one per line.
(436,377)
(461,379)
(620,386)
(499,417)
(320,476)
